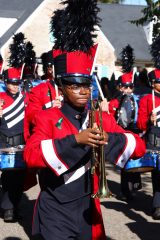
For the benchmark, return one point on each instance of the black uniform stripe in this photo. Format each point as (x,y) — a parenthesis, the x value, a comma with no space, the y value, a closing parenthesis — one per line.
(21,100)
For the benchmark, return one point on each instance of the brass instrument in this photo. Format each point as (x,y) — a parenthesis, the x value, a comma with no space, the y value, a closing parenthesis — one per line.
(98,157)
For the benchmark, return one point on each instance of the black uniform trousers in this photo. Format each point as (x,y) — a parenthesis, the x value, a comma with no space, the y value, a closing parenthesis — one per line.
(130,181)
(156,188)
(54,220)
(12,186)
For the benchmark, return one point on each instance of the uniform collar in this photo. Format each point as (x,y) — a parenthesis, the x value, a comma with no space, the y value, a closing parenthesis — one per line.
(14,96)
(76,116)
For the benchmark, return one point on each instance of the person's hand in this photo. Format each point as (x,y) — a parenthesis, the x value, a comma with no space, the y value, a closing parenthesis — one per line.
(153,118)
(92,137)
(57,103)
(105,105)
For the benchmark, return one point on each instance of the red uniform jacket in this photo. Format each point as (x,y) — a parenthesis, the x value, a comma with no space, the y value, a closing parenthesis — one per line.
(53,146)
(113,106)
(13,113)
(40,97)
(145,110)
(8,100)
(15,124)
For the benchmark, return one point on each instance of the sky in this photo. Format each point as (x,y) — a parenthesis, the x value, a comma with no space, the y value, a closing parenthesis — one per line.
(135,2)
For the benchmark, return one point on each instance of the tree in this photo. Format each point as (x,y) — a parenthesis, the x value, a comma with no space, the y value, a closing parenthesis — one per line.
(152,9)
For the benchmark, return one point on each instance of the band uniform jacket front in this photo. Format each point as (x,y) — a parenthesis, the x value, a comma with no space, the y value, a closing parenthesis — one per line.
(12,121)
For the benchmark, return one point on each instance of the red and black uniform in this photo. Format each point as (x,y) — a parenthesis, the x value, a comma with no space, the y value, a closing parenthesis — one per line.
(11,135)
(40,97)
(67,182)
(152,136)
(145,110)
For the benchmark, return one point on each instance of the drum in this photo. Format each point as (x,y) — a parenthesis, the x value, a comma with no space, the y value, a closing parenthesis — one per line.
(11,158)
(145,164)
(36,82)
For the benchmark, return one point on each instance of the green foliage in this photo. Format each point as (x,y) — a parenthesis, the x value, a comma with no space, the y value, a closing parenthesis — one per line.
(152,9)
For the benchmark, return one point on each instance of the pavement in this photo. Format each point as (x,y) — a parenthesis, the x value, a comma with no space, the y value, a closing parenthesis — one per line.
(123,221)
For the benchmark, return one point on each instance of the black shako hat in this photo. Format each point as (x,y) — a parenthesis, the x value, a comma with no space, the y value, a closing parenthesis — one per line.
(127,59)
(74,50)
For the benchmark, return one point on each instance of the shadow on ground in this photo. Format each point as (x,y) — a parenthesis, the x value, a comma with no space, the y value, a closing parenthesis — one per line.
(12,238)
(26,211)
(140,226)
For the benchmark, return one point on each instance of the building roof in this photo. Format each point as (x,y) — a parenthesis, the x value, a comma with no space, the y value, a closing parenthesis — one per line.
(120,32)
(19,10)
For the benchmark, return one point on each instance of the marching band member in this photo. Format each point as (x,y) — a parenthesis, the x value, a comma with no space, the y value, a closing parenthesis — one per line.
(125,108)
(41,97)
(11,130)
(148,120)
(61,144)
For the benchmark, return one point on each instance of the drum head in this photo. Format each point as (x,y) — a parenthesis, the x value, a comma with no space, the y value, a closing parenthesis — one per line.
(12,158)
(145,164)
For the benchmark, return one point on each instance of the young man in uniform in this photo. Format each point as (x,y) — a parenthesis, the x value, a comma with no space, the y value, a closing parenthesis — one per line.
(125,115)
(62,145)
(64,153)
(11,138)
(43,96)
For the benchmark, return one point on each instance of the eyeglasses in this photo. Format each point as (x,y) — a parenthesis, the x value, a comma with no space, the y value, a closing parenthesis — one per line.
(77,88)
(128,86)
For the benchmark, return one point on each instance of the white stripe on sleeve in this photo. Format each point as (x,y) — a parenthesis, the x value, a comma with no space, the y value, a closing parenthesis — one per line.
(129,149)
(51,158)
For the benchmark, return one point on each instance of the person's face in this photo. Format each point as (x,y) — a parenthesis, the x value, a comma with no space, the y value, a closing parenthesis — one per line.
(13,87)
(156,87)
(126,89)
(49,70)
(77,94)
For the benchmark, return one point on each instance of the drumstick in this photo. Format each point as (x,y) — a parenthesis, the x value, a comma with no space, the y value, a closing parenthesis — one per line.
(2,67)
(99,88)
(35,68)
(22,70)
(153,103)
(56,90)
(134,71)
(97,82)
